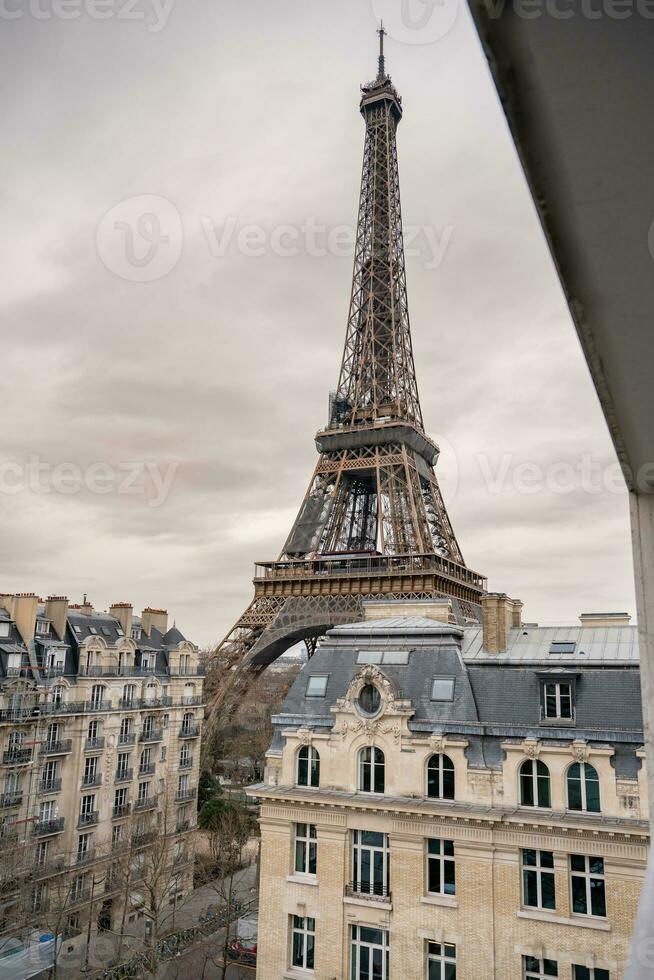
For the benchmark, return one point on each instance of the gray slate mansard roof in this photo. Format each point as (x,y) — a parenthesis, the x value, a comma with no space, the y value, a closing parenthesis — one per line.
(496,698)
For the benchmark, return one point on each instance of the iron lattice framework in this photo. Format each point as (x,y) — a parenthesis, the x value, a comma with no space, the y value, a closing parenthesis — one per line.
(373,522)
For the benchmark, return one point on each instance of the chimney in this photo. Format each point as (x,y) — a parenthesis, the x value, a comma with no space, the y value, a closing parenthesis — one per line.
(24,614)
(154,617)
(438,609)
(7,602)
(122,611)
(86,607)
(56,610)
(604,619)
(499,614)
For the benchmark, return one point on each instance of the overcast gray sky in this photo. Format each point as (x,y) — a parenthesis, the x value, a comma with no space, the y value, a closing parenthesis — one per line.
(141,326)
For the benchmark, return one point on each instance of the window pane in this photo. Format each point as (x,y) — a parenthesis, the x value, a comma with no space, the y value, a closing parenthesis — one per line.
(449,878)
(317,686)
(377,964)
(313,855)
(597,897)
(372,838)
(596,865)
(526,789)
(529,857)
(550,968)
(581,973)
(579,895)
(547,887)
(396,657)
(442,689)
(544,791)
(299,857)
(574,792)
(592,795)
(577,862)
(448,784)
(450,971)
(547,859)
(434,876)
(298,946)
(369,935)
(530,888)
(310,941)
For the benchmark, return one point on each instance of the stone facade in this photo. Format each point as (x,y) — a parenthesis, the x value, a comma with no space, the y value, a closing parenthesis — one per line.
(489,915)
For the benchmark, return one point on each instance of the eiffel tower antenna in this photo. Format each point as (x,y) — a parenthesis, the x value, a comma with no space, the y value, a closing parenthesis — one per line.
(381,72)
(373,522)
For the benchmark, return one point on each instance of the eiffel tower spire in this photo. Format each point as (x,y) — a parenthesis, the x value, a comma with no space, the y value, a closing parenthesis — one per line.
(373,522)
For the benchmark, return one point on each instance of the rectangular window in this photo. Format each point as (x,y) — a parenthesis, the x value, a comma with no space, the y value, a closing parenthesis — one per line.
(589,973)
(303,942)
(564,647)
(317,686)
(442,689)
(369,954)
(441,878)
(392,657)
(87,804)
(120,797)
(441,961)
(116,833)
(143,791)
(588,885)
(306,848)
(538,880)
(41,853)
(557,700)
(370,863)
(83,845)
(535,969)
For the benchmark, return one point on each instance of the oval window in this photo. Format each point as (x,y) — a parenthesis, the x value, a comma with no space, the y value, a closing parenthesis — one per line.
(369,700)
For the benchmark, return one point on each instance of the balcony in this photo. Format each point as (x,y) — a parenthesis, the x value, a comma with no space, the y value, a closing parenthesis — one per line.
(85,857)
(16,757)
(94,744)
(147,768)
(91,779)
(126,738)
(97,705)
(88,819)
(189,731)
(140,840)
(49,786)
(191,702)
(187,671)
(369,891)
(182,795)
(79,897)
(62,707)
(47,868)
(53,826)
(124,775)
(186,763)
(151,735)
(11,799)
(57,747)
(18,714)
(146,803)
(120,810)
(128,704)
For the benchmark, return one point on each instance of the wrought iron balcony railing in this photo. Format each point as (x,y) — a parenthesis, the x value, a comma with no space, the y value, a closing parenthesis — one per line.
(182,795)
(145,803)
(120,810)
(11,799)
(16,757)
(189,731)
(146,768)
(124,775)
(60,746)
(126,738)
(52,826)
(372,891)
(88,819)
(151,735)
(50,785)
(91,779)
(93,744)
(186,763)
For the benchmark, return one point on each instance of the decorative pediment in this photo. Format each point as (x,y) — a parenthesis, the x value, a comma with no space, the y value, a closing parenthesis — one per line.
(370,674)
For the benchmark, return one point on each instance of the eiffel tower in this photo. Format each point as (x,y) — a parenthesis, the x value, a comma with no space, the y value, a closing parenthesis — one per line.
(372,523)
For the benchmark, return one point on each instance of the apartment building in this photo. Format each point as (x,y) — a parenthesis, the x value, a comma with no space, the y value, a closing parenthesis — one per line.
(100,726)
(445,801)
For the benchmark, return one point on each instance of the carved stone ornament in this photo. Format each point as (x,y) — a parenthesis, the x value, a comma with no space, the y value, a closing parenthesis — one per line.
(580,751)
(437,742)
(305,736)
(531,748)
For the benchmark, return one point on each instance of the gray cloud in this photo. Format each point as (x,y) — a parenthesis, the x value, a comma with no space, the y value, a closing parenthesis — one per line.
(223,366)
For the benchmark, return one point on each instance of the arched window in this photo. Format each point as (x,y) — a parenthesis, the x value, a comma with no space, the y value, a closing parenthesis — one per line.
(371,770)
(440,777)
(583,787)
(534,784)
(308,766)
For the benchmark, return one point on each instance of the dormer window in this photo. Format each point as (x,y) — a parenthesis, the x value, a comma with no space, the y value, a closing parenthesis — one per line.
(369,700)
(42,626)
(557,700)
(4,629)
(442,689)
(317,686)
(136,633)
(93,630)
